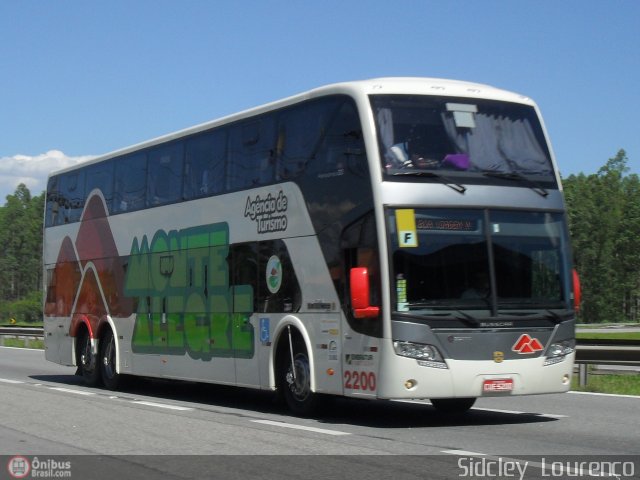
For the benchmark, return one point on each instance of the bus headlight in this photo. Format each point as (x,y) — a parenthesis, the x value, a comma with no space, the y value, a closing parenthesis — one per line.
(559,350)
(421,352)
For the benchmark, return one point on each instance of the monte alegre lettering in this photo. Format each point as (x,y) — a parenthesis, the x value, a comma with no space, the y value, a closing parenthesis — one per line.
(185,303)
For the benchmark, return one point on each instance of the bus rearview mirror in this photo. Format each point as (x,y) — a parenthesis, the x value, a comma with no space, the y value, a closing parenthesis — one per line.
(360,301)
(577,290)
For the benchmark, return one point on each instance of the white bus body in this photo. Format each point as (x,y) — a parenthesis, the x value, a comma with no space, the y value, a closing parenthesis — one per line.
(393,238)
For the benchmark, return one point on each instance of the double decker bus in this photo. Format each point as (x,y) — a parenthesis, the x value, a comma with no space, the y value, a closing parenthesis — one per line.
(396,238)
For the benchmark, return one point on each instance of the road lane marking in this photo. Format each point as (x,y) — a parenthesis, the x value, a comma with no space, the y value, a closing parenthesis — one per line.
(606,394)
(300,427)
(69,390)
(494,410)
(39,350)
(6,380)
(464,453)
(516,412)
(162,405)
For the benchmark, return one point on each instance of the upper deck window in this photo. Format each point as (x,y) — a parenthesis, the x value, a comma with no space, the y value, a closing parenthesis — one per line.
(475,140)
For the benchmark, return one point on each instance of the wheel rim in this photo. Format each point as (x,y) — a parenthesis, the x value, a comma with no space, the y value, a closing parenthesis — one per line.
(300,385)
(87,358)
(108,359)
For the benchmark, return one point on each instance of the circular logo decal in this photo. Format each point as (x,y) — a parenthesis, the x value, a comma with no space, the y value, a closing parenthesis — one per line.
(19,467)
(274,274)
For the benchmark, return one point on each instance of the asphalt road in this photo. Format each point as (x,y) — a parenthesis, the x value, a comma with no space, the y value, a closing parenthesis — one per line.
(161,429)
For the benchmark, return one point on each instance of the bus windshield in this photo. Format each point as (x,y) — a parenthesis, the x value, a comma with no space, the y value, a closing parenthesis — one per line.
(492,260)
(477,140)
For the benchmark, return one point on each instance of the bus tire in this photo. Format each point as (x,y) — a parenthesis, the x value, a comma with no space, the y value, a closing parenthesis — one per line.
(297,389)
(453,405)
(87,361)
(110,378)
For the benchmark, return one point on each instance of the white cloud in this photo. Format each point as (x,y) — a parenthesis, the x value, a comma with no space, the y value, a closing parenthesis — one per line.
(33,170)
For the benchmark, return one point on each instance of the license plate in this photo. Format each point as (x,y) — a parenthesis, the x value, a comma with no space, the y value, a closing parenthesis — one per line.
(497,385)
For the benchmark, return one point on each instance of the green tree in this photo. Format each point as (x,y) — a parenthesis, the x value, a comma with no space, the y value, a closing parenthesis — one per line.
(21,256)
(629,248)
(604,222)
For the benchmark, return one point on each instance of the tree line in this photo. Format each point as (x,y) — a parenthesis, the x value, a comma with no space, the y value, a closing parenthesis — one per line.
(21,257)
(604,223)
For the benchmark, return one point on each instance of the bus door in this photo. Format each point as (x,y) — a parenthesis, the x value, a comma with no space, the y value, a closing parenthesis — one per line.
(363,324)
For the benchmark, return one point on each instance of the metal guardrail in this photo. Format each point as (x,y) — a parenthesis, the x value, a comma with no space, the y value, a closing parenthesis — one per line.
(605,352)
(25,333)
(34,331)
(609,352)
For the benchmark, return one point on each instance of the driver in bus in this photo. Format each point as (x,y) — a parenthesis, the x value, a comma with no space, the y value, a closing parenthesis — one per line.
(478,287)
(414,151)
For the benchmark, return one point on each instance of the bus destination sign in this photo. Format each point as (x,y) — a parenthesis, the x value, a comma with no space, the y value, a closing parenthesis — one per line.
(450,224)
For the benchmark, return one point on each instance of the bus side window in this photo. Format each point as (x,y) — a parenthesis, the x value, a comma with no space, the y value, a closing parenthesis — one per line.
(164,181)
(70,198)
(252,153)
(100,177)
(205,164)
(343,143)
(53,202)
(130,183)
(299,131)
(278,288)
(244,266)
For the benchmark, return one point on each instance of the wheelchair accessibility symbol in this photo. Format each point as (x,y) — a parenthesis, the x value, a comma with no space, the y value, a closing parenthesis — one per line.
(265,336)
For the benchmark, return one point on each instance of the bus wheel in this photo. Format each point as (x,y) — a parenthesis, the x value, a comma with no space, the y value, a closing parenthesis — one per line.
(453,405)
(87,361)
(296,382)
(110,377)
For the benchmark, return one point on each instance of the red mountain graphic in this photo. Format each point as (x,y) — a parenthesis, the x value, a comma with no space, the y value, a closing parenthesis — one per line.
(526,344)
(92,280)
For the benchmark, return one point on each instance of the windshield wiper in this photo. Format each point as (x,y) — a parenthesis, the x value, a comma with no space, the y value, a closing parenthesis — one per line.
(425,173)
(557,317)
(462,316)
(468,319)
(516,177)
(547,314)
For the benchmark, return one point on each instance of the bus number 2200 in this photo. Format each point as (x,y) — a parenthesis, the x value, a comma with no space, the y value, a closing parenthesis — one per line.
(359,380)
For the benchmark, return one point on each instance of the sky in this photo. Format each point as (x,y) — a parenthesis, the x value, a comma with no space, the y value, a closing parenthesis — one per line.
(82,78)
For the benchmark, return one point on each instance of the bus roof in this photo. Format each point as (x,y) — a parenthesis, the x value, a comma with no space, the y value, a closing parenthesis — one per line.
(375,86)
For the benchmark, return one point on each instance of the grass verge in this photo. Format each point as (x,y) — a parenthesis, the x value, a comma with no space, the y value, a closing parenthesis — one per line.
(22,324)
(22,343)
(608,336)
(621,384)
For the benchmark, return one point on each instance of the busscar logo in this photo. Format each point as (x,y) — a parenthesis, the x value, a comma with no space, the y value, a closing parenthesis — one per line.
(526,345)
